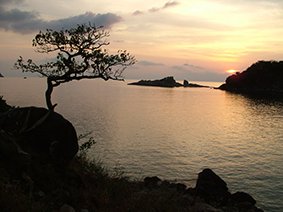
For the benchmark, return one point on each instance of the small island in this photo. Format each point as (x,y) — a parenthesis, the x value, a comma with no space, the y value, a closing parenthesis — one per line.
(263,78)
(167,82)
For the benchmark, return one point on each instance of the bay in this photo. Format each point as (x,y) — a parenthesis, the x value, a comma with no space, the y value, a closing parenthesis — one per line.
(172,132)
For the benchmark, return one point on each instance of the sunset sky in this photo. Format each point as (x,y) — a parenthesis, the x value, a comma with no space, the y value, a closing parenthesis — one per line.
(188,39)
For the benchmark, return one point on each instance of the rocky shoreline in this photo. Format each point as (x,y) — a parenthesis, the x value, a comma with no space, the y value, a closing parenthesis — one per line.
(210,193)
(36,183)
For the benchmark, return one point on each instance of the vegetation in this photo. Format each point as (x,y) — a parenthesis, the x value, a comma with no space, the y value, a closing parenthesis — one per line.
(80,55)
(3,105)
(262,78)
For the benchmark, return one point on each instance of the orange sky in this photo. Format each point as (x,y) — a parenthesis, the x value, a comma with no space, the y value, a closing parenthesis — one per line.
(195,40)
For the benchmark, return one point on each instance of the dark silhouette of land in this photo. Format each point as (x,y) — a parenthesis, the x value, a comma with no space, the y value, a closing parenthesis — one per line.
(1,75)
(263,78)
(167,82)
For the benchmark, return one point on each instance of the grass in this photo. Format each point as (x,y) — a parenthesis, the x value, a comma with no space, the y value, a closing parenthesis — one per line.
(82,185)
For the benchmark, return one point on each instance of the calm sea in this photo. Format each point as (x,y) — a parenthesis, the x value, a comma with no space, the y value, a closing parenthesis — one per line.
(172,133)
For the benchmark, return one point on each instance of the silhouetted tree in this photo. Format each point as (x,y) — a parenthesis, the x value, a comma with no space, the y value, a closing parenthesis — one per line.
(80,55)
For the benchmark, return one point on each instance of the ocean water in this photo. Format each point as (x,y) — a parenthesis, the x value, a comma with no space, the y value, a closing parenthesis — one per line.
(172,133)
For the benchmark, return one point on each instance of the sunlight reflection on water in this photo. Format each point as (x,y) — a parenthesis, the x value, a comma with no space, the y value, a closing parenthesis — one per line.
(173,133)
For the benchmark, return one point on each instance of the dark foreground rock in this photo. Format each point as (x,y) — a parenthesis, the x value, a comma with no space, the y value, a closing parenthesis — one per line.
(212,188)
(168,82)
(37,133)
(210,194)
(1,75)
(264,78)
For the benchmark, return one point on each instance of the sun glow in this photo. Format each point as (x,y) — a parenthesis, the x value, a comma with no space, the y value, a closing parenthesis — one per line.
(232,71)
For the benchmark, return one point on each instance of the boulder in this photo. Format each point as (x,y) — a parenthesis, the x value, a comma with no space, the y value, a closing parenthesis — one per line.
(212,188)
(186,83)
(152,182)
(242,197)
(44,135)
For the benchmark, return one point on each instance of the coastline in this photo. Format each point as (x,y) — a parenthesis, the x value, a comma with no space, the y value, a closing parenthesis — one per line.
(86,185)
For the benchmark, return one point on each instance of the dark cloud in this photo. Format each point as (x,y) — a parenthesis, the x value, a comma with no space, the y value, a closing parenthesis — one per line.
(149,63)
(28,21)
(19,21)
(8,2)
(105,20)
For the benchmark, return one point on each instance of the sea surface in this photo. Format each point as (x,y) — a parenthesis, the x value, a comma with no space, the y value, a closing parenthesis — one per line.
(173,133)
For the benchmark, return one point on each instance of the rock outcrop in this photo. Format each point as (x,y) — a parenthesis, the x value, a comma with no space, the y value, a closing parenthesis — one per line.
(186,83)
(165,82)
(264,78)
(210,193)
(39,134)
(212,188)
(1,75)
(168,82)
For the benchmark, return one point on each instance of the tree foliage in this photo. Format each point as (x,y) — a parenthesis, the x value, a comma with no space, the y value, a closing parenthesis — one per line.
(81,54)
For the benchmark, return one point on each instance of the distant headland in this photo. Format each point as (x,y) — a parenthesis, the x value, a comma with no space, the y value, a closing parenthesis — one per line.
(167,82)
(263,78)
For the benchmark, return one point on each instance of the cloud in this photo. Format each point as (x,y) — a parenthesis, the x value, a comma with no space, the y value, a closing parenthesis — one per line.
(170,4)
(193,66)
(165,6)
(29,21)
(8,2)
(156,9)
(105,20)
(138,12)
(149,63)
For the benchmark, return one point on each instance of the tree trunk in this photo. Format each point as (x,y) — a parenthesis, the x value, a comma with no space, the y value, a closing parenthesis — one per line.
(48,93)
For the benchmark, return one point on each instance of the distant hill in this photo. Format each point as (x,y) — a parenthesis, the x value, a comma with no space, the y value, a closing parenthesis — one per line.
(262,78)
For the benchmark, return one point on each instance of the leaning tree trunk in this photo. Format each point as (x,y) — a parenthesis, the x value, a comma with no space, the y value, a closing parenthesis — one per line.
(48,93)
